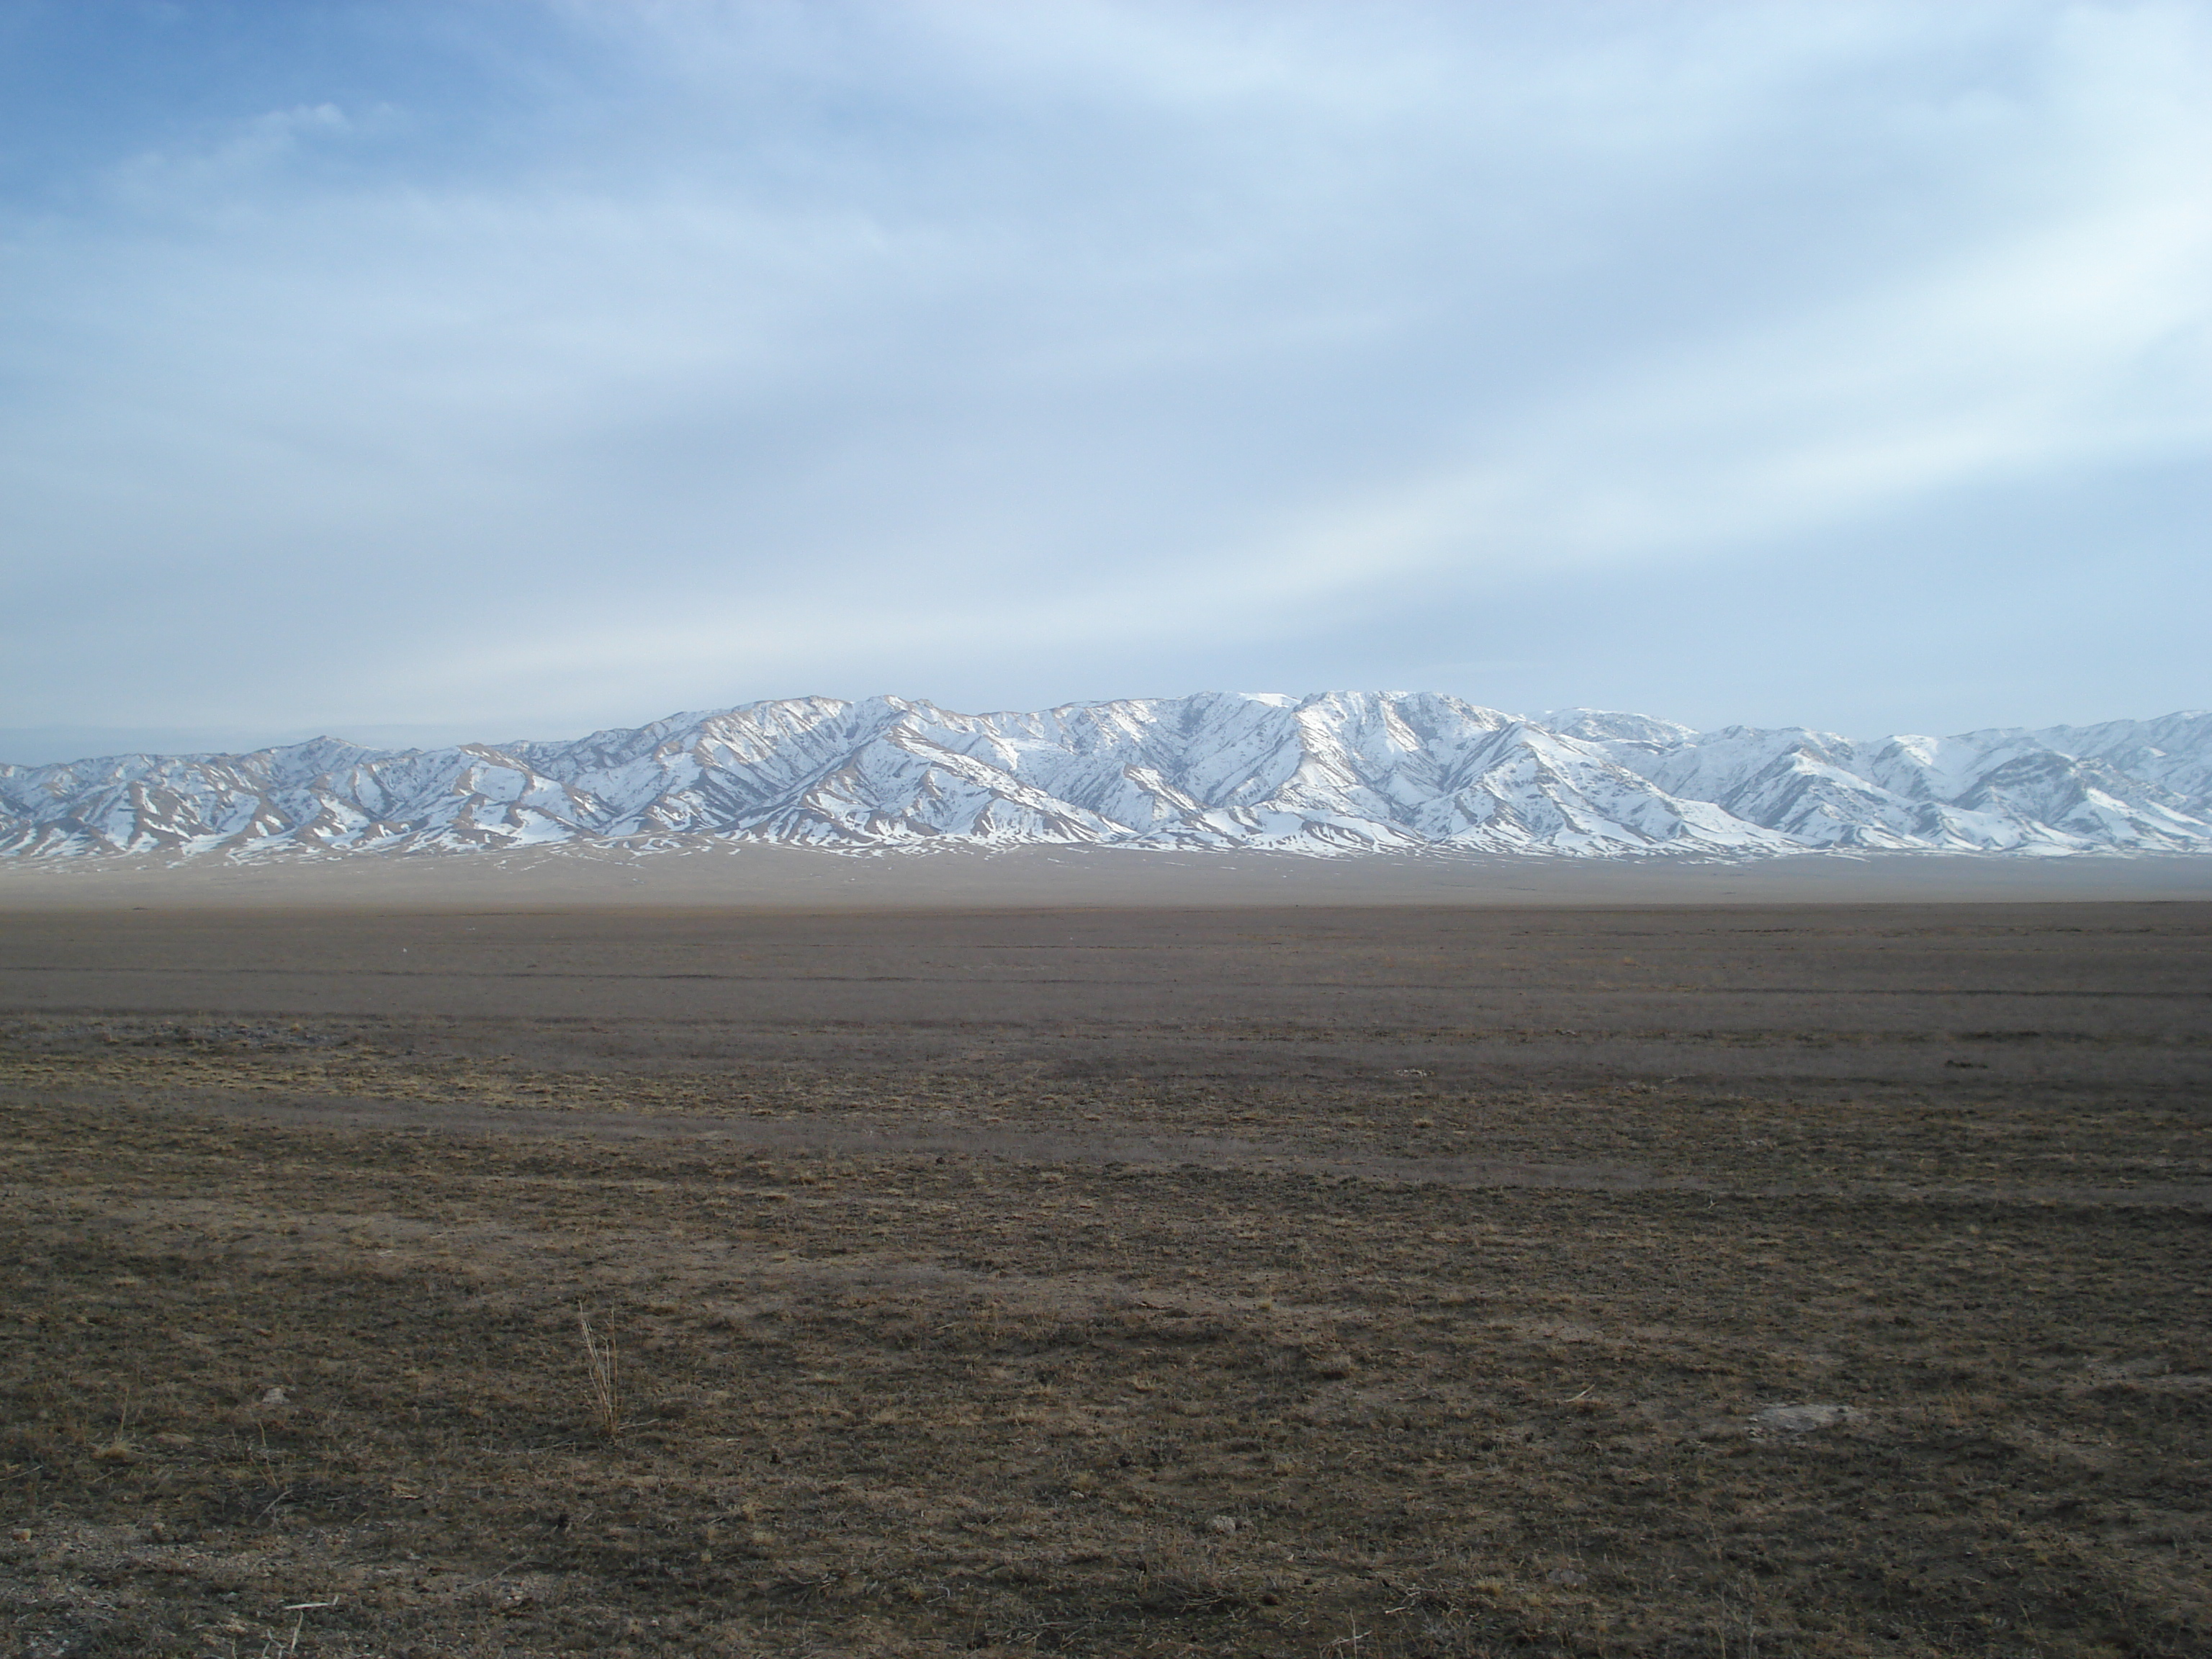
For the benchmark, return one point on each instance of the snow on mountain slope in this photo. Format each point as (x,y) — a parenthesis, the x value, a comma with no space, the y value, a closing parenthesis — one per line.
(1338,772)
(1994,791)
(2174,754)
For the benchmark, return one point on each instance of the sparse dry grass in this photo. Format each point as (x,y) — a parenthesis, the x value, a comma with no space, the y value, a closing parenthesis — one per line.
(1240,1349)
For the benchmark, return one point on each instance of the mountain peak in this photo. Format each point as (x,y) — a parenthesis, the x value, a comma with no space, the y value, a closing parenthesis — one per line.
(1332,772)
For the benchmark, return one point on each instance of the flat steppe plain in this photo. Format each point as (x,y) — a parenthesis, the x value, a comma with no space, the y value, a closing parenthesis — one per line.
(1744,1281)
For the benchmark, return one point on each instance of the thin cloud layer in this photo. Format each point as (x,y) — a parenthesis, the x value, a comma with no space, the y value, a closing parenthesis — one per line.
(526,368)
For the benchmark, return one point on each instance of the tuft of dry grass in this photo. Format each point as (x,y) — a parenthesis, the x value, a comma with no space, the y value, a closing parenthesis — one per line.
(599,1371)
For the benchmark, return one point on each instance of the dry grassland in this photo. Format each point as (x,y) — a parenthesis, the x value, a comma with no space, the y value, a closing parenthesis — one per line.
(1749,1283)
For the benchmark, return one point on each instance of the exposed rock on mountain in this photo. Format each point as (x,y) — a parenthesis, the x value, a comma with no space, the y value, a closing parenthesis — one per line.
(1339,772)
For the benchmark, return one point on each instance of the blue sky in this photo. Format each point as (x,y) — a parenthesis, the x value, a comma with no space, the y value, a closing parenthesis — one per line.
(505,368)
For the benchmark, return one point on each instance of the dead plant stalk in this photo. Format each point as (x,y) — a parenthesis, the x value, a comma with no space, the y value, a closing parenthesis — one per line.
(599,1367)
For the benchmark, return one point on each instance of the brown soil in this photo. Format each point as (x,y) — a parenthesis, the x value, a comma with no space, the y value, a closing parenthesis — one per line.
(1824,1281)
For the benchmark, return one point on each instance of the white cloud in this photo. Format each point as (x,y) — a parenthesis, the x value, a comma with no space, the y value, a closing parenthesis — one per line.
(801,337)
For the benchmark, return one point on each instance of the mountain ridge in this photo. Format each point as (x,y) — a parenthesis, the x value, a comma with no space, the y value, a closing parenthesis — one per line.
(1328,772)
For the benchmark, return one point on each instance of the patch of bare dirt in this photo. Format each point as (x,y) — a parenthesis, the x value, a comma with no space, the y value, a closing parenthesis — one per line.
(1300,1320)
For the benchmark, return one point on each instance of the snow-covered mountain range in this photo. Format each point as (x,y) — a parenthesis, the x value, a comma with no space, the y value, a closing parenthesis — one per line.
(1337,772)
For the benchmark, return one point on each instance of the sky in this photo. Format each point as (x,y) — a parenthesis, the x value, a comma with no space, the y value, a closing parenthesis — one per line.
(496,368)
